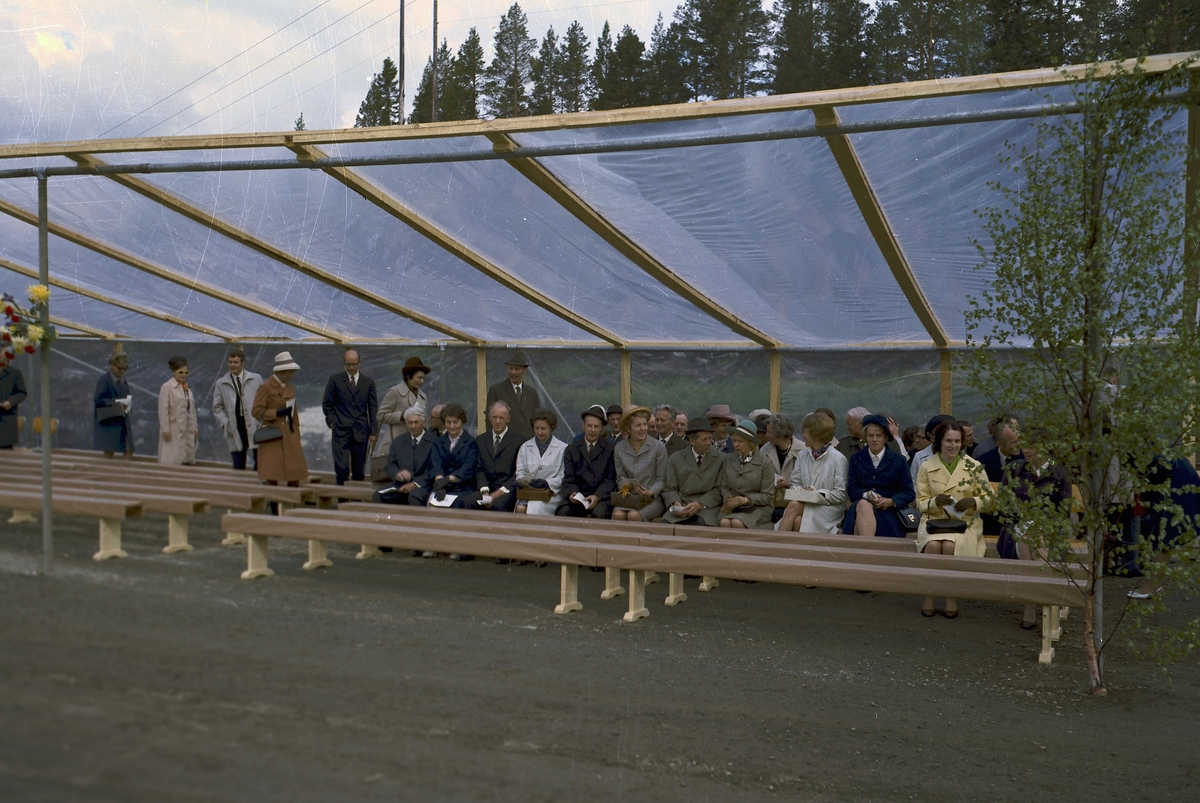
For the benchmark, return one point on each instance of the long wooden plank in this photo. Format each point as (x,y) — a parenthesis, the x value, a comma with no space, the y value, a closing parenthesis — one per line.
(418,223)
(103,334)
(151,500)
(96,507)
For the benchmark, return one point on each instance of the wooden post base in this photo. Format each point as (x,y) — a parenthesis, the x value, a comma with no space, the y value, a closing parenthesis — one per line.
(177,535)
(21,517)
(568,593)
(652,578)
(612,584)
(1055,623)
(1062,614)
(1047,653)
(675,593)
(316,556)
(256,558)
(233,539)
(709,583)
(366,552)
(637,596)
(110,540)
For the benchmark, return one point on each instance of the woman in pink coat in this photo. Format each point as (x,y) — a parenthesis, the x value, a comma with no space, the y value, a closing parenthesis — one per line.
(178,432)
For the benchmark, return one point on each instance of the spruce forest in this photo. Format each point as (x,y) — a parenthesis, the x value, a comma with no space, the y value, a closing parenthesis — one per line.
(717,49)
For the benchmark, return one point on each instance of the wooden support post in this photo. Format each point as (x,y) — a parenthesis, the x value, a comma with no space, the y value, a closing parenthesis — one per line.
(775,395)
(947,388)
(612,583)
(675,594)
(1062,614)
(1047,653)
(637,596)
(21,517)
(366,552)
(481,390)
(708,583)
(1055,623)
(233,539)
(257,547)
(324,503)
(177,534)
(651,578)
(316,556)
(626,379)
(568,591)
(110,540)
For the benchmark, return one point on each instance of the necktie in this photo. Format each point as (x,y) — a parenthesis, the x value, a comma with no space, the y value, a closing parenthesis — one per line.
(589,449)
(495,443)
(237,383)
(517,390)
(354,382)
(699,460)
(415,442)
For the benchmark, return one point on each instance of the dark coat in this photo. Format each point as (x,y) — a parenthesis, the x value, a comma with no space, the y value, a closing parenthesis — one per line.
(519,410)
(1029,484)
(461,462)
(589,475)
(12,390)
(1165,527)
(401,456)
(350,413)
(891,479)
(115,434)
(494,469)
(674,444)
(994,463)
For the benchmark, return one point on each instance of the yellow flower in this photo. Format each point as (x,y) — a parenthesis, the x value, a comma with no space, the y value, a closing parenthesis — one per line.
(39,294)
(35,333)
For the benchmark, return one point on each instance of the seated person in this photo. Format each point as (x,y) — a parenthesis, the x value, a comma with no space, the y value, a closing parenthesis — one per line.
(410,463)
(588,472)
(540,463)
(747,482)
(720,419)
(455,454)
(820,467)
(782,448)
(879,485)
(496,465)
(692,494)
(663,427)
(613,430)
(641,465)
(914,465)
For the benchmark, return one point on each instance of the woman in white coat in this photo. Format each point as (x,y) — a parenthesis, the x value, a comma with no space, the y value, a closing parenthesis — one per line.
(178,432)
(824,470)
(540,463)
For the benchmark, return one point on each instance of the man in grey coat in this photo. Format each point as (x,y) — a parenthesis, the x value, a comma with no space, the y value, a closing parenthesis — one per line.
(692,494)
(233,396)
(520,396)
(12,393)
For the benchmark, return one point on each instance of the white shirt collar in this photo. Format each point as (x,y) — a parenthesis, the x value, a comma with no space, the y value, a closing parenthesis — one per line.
(499,435)
(876,459)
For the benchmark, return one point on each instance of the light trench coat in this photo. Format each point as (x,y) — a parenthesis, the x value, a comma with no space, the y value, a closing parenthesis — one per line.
(829,475)
(224,407)
(549,467)
(968,480)
(177,416)
(391,413)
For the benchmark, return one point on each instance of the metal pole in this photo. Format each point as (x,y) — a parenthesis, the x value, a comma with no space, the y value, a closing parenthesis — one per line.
(400,67)
(433,72)
(44,354)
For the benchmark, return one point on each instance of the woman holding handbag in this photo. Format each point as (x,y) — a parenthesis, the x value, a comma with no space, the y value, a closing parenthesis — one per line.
(280,450)
(879,486)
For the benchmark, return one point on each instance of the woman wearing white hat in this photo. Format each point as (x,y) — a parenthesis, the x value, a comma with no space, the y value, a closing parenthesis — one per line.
(280,451)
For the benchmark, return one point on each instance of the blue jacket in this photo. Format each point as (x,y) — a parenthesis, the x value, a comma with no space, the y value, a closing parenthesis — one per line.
(461,462)
(115,434)
(891,479)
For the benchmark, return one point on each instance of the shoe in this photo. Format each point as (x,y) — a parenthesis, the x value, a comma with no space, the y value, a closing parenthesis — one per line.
(597,568)
(541,564)
(428,554)
(520,562)
(928,614)
(500,561)
(864,592)
(1135,594)
(416,553)
(950,614)
(1029,625)
(461,558)
(385,549)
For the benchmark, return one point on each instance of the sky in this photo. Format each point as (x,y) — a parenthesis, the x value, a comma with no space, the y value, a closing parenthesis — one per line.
(83,69)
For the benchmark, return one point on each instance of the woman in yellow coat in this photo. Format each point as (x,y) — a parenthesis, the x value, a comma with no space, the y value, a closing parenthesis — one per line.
(950,477)
(280,459)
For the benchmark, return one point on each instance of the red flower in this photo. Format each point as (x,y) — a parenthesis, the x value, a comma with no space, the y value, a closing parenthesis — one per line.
(8,355)
(15,318)
(7,338)
(30,349)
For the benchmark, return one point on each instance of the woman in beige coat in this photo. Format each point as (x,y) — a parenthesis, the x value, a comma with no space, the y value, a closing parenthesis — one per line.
(178,432)
(747,482)
(280,459)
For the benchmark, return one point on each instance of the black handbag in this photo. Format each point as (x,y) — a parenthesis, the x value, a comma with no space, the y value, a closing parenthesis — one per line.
(910,518)
(945,526)
(267,434)
(109,412)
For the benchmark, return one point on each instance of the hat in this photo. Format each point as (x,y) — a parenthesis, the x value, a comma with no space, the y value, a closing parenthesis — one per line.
(759,417)
(412,365)
(614,408)
(699,425)
(596,411)
(745,429)
(722,411)
(878,421)
(284,362)
(517,358)
(631,410)
(936,421)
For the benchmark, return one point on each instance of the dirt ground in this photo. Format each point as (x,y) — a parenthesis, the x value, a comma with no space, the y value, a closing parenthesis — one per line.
(167,678)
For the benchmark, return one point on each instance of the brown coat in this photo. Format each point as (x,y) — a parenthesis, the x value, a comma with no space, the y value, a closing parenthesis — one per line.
(280,460)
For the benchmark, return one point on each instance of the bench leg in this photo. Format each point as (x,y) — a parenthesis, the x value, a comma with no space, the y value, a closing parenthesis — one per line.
(234,539)
(675,593)
(1055,623)
(1062,614)
(316,556)
(256,558)
(282,507)
(366,552)
(324,503)
(612,584)
(177,534)
(1047,653)
(708,583)
(652,578)
(637,596)
(568,590)
(110,540)
(21,517)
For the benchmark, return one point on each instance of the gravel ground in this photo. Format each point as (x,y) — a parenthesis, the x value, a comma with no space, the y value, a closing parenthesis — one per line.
(167,678)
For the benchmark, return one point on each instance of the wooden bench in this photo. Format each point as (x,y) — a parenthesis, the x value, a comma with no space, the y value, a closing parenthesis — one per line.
(110,512)
(211,466)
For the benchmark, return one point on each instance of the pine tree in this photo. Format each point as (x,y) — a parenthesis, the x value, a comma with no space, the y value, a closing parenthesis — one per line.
(844,33)
(965,49)
(731,37)
(887,45)
(573,93)
(422,111)
(505,89)
(795,62)
(299,125)
(464,81)
(666,75)
(624,85)
(601,63)
(545,76)
(381,106)
(1157,26)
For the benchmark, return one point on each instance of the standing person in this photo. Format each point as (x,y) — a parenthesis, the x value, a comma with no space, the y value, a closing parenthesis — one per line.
(521,397)
(496,471)
(231,396)
(178,432)
(112,430)
(12,393)
(540,464)
(400,398)
(692,494)
(350,406)
(641,465)
(747,482)
(588,473)
(280,456)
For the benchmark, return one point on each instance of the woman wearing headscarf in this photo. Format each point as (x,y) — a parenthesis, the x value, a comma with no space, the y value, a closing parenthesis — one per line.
(112,429)
(178,432)
(879,485)
(280,450)
(747,482)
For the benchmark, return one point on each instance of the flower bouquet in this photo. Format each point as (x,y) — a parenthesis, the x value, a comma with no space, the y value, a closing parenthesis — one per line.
(22,333)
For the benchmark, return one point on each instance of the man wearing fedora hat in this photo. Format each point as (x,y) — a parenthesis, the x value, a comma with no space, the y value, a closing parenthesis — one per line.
(520,396)
(399,398)
(588,474)
(692,493)
(719,418)
(350,405)
(613,430)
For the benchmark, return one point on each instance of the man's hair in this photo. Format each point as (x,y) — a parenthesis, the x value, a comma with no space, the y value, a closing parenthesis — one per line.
(858,412)
(670,410)
(241,355)
(503,404)
(999,421)
(417,411)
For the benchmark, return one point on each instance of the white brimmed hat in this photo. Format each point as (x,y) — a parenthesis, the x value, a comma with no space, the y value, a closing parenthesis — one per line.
(284,362)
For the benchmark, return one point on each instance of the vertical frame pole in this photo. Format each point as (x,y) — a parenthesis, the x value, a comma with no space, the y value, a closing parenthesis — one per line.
(44,354)
(626,379)
(775,400)
(480,390)
(947,385)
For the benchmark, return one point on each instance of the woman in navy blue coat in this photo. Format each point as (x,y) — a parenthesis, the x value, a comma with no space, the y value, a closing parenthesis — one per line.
(112,433)
(455,466)
(879,485)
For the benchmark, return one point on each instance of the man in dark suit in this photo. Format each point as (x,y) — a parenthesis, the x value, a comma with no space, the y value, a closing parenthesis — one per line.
(495,475)
(410,463)
(520,396)
(692,494)
(1007,449)
(588,470)
(12,393)
(664,422)
(350,406)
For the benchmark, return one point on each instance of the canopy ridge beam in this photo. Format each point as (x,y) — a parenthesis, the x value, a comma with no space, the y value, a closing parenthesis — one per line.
(877,222)
(394,207)
(213,223)
(196,285)
(65,284)
(565,197)
(83,327)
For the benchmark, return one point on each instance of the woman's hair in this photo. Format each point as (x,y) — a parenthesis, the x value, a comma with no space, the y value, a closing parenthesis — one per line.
(819,425)
(541,414)
(940,432)
(909,435)
(781,425)
(177,362)
(453,410)
(638,414)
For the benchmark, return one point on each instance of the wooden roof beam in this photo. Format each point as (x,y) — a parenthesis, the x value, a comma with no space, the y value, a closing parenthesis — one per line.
(565,197)
(411,218)
(877,222)
(83,327)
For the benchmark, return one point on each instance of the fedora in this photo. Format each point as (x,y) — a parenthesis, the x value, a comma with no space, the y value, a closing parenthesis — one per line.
(721,411)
